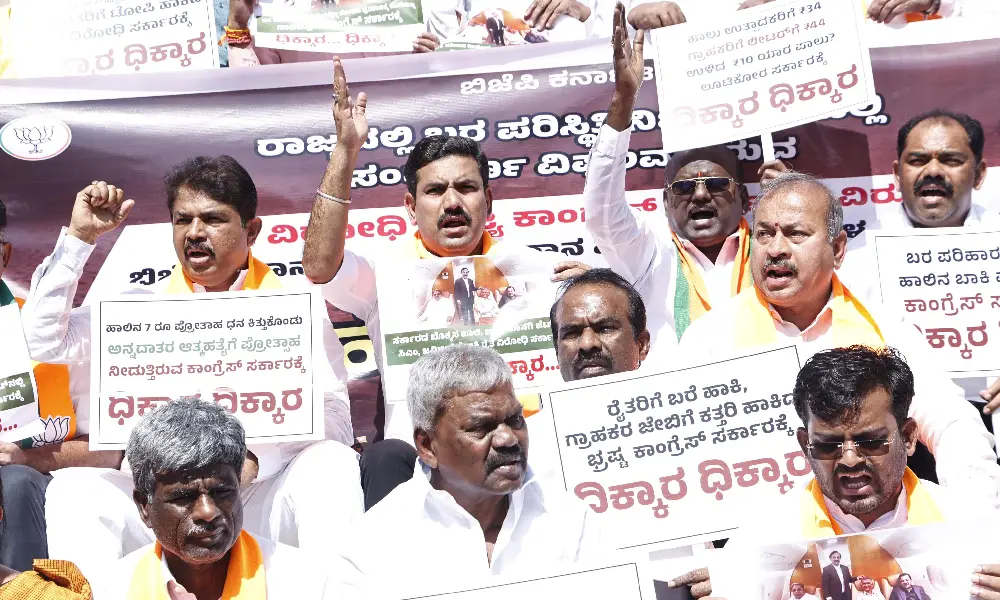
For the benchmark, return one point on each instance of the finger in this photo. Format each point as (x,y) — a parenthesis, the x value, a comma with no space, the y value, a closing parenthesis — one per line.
(102,195)
(695,576)
(883,16)
(875,9)
(124,210)
(700,590)
(989,582)
(114,197)
(423,46)
(680,18)
(898,11)
(991,569)
(984,594)
(547,20)
(361,104)
(637,44)
(530,14)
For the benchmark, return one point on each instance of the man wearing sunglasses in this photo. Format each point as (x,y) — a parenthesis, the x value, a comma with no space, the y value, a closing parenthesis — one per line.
(704,257)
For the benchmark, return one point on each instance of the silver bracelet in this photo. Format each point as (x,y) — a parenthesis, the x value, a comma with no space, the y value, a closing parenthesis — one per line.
(333,198)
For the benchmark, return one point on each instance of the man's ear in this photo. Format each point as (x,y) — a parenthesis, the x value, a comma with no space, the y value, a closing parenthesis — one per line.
(839,248)
(411,207)
(909,433)
(424,442)
(895,173)
(141,502)
(802,436)
(980,174)
(643,344)
(6,251)
(744,194)
(489,202)
(254,226)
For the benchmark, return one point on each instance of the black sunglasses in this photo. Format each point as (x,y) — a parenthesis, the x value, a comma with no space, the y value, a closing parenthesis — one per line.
(714,185)
(832,450)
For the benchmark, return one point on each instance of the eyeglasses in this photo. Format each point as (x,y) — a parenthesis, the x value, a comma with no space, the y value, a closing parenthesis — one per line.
(832,450)
(714,185)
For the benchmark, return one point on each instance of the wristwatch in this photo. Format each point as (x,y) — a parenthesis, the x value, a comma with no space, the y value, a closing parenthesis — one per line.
(933,10)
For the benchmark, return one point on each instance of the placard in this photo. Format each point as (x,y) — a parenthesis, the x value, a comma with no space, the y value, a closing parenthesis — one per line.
(500,301)
(669,459)
(19,418)
(86,37)
(938,559)
(946,281)
(357,26)
(760,70)
(252,352)
(621,580)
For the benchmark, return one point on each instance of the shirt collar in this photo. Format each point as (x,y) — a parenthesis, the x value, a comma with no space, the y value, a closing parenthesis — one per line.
(237,285)
(727,254)
(852,524)
(897,217)
(827,308)
(440,502)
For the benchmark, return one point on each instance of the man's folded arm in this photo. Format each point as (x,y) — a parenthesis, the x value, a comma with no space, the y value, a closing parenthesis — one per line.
(71,453)
(56,332)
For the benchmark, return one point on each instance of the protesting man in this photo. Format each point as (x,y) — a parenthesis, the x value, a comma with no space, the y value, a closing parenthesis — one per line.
(25,466)
(187,457)
(447,197)
(212,204)
(473,507)
(598,326)
(837,579)
(854,403)
(798,243)
(706,256)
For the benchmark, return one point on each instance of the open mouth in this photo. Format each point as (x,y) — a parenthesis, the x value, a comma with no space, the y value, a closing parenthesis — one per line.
(777,275)
(856,485)
(593,368)
(208,538)
(703,215)
(454,223)
(198,257)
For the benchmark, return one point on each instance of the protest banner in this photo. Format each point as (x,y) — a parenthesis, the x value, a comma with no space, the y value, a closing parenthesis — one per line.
(621,580)
(765,69)
(19,418)
(498,301)
(55,38)
(938,558)
(253,353)
(947,283)
(358,26)
(668,458)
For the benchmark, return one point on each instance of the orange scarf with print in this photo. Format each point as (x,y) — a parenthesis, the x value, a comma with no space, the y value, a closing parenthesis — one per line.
(852,323)
(244,579)
(817,522)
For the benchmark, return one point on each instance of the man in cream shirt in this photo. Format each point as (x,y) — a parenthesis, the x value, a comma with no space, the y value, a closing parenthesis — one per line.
(798,243)
(474,508)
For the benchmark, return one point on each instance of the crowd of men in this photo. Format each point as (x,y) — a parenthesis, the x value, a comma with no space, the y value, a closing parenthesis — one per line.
(190,510)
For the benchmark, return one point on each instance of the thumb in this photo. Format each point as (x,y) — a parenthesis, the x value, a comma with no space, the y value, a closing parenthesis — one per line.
(361,104)
(124,210)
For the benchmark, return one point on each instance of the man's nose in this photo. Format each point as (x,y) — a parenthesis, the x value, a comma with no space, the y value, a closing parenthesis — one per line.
(205,509)
(849,456)
(504,437)
(589,340)
(701,193)
(196,230)
(778,246)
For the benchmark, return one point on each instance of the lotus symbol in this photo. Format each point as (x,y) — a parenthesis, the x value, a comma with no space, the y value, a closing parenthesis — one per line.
(34,136)
(56,430)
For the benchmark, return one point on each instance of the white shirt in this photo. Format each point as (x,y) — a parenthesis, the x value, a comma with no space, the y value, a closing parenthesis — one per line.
(948,425)
(353,289)
(288,573)
(58,333)
(633,249)
(438,311)
(840,572)
(418,537)
(486,307)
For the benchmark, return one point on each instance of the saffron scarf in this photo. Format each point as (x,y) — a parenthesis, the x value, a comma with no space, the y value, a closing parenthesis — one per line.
(55,405)
(852,323)
(259,277)
(244,579)
(691,296)
(817,522)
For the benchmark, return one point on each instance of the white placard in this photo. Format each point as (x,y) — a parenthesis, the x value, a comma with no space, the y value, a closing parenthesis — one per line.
(669,459)
(87,37)
(946,281)
(759,70)
(252,352)
(425,304)
(621,580)
(18,392)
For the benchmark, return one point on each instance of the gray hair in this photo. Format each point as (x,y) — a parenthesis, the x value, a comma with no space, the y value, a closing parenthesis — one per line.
(786,181)
(448,372)
(184,435)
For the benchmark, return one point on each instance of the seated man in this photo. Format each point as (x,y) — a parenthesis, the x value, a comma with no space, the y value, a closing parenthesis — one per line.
(598,326)
(186,459)
(212,204)
(798,243)
(25,465)
(905,590)
(799,592)
(485,306)
(473,507)
(853,403)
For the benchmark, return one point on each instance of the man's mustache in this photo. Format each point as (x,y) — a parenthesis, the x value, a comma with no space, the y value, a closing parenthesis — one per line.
(454,212)
(933,180)
(199,247)
(781,263)
(505,456)
(597,357)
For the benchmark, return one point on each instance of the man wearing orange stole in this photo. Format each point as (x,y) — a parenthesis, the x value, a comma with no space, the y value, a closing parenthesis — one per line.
(212,204)
(186,459)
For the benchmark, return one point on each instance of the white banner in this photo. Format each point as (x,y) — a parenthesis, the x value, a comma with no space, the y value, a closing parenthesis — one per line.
(88,37)
(670,458)
(18,393)
(252,352)
(755,71)
(947,283)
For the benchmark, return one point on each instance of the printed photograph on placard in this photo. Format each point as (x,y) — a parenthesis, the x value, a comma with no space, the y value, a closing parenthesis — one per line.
(931,561)
(494,27)
(501,303)
(340,26)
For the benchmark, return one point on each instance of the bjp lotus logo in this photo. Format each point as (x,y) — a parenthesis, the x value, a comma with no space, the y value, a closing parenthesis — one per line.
(34,138)
(56,430)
